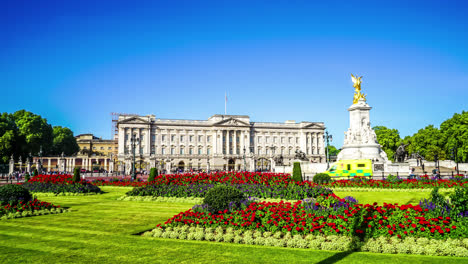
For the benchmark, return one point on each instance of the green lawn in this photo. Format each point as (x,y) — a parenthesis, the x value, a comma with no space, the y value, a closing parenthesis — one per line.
(100,230)
(387,197)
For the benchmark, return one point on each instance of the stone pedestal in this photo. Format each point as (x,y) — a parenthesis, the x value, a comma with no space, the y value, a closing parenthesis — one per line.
(12,165)
(360,139)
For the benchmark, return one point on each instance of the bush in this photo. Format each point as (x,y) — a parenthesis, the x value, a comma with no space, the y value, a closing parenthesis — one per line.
(223,197)
(76,175)
(297,172)
(35,172)
(13,193)
(321,178)
(153,173)
(26,177)
(437,198)
(459,201)
(393,178)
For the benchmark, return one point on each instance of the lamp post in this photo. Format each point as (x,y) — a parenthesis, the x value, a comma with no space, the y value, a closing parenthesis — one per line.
(40,160)
(133,141)
(327,137)
(245,165)
(455,154)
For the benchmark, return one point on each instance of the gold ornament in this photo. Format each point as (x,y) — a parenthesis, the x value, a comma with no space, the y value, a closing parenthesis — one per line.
(357,89)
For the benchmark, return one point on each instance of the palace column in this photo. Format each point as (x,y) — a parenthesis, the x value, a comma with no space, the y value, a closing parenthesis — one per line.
(227,142)
(234,143)
(105,164)
(48,164)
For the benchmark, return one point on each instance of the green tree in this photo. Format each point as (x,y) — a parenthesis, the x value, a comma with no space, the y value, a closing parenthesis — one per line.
(64,141)
(428,142)
(8,137)
(389,139)
(76,175)
(297,172)
(33,132)
(153,173)
(333,151)
(455,136)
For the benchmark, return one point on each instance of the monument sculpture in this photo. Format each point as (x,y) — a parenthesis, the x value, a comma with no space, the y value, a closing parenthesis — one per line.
(360,140)
(400,153)
(300,155)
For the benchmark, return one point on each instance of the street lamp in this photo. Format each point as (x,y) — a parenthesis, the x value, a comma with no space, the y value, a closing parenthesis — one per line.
(328,138)
(40,160)
(245,165)
(455,154)
(134,141)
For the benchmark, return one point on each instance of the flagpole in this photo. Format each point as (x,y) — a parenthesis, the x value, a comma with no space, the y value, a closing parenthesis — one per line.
(225,103)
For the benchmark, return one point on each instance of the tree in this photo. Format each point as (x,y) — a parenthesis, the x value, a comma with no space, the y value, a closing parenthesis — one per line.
(76,175)
(455,136)
(428,142)
(33,132)
(64,141)
(153,173)
(297,172)
(333,151)
(8,137)
(389,139)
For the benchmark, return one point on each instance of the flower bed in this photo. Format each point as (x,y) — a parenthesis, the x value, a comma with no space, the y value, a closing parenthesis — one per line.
(29,208)
(59,184)
(409,245)
(289,192)
(403,184)
(331,215)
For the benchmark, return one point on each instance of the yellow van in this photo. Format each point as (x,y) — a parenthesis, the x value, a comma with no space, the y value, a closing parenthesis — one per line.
(344,169)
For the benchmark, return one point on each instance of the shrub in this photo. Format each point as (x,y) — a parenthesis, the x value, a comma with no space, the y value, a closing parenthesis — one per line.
(459,201)
(35,172)
(393,178)
(13,193)
(26,177)
(76,175)
(321,178)
(437,198)
(153,173)
(297,172)
(223,197)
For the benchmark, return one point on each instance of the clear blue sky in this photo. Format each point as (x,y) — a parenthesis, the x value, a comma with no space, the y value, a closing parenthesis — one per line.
(75,63)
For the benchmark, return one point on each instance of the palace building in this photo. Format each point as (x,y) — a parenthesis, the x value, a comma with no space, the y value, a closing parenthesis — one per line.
(223,142)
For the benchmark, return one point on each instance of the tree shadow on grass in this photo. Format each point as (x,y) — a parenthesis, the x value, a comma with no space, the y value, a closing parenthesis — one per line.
(357,238)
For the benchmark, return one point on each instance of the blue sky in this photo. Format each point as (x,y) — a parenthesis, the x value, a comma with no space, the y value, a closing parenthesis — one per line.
(75,63)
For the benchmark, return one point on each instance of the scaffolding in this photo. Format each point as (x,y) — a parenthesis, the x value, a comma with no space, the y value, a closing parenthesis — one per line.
(115,130)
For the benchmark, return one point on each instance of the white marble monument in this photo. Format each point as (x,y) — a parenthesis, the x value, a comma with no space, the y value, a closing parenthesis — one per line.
(360,140)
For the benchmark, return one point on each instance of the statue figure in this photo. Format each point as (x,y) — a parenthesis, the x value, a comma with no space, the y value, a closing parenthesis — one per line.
(278,160)
(400,153)
(300,155)
(357,89)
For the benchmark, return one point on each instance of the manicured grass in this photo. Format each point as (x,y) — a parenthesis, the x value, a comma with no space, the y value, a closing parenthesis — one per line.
(100,230)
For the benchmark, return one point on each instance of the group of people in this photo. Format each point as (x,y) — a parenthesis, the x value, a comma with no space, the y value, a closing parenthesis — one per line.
(435,173)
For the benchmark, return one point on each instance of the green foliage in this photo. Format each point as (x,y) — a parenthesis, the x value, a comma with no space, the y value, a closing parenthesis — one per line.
(64,141)
(14,193)
(393,178)
(152,175)
(33,132)
(437,198)
(428,142)
(297,172)
(35,172)
(321,178)
(76,174)
(8,137)
(455,135)
(389,139)
(459,200)
(220,197)
(26,177)
(333,151)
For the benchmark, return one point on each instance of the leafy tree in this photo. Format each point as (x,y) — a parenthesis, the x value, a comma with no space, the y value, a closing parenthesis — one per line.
(428,142)
(297,172)
(455,135)
(33,131)
(153,173)
(76,175)
(389,139)
(8,137)
(64,141)
(333,151)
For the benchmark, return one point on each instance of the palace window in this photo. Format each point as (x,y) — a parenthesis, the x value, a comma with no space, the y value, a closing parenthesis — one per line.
(266,139)
(191,138)
(172,138)
(181,151)
(191,151)
(199,151)
(208,151)
(297,140)
(200,138)
(163,151)
(163,138)
(172,151)
(181,138)
(208,138)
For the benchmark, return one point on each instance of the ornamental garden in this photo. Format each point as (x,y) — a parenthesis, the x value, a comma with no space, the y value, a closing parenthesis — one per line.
(270,210)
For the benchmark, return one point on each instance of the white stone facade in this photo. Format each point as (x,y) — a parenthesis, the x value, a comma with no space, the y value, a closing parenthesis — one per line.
(360,140)
(223,142)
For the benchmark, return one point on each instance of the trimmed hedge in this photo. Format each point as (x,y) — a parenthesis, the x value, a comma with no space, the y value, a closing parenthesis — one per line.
(222,198)
(152,175)
(297,172)
(13,194)
(321,178)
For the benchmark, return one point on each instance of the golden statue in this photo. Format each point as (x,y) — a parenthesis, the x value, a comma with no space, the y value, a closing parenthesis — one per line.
(357,89)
